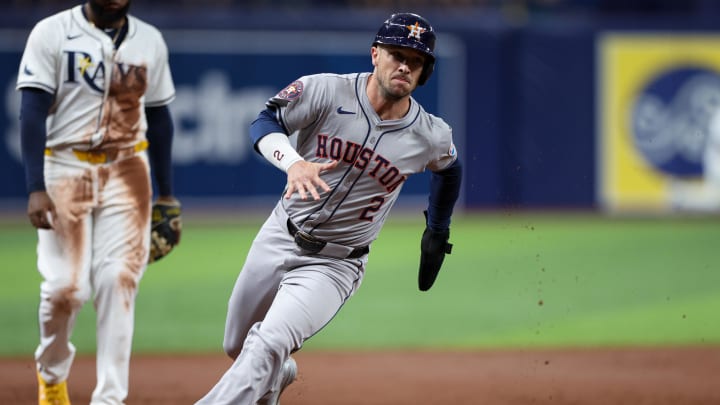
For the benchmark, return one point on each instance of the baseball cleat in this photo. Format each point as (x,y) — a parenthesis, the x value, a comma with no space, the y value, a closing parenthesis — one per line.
(286,377)
(52,394)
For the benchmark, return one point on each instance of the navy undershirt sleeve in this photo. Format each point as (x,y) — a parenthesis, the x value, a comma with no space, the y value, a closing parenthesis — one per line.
(444,192)
(264,124)
(34,107)
(160,135)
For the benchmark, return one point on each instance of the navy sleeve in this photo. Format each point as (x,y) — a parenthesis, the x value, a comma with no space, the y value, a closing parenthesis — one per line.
(444,192)
(160,135)
(34,107)
(264,124)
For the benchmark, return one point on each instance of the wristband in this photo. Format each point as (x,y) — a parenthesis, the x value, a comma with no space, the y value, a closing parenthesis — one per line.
(276,148)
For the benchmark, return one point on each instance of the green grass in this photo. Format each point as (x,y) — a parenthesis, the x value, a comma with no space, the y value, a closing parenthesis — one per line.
(520,280)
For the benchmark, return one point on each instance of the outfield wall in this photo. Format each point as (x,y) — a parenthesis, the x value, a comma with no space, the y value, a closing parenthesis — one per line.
(553,113)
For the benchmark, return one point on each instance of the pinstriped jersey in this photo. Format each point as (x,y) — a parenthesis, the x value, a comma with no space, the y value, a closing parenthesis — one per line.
(100,92)
(334,120)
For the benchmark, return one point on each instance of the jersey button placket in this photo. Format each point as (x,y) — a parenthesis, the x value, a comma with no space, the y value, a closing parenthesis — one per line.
(99,134)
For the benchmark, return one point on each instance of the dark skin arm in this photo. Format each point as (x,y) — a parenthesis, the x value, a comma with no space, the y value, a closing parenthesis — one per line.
(41,209)
(167,199)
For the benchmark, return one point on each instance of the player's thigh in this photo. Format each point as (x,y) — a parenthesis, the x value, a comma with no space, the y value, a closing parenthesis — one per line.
(65,272)
(64,252)
(121,230)
(309,297)
(257,283)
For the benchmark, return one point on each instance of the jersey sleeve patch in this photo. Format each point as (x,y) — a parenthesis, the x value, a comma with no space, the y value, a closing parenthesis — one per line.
(452,151)
(292,91)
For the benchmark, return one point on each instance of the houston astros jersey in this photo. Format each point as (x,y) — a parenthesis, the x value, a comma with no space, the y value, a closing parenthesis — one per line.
(100,92)
(334,120)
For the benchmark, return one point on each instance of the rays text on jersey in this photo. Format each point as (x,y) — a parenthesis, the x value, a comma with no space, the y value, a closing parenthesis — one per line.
(82,67)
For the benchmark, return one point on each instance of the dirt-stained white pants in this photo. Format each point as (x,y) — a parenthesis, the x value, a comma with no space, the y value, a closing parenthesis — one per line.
(281,298)
(98,248)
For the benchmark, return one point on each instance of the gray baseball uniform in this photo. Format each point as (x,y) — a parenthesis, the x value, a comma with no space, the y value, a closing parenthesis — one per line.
(309,257)
(283,295)
(335,121)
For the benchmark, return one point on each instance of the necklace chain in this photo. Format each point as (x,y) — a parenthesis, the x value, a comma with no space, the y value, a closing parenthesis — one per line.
(117,34)
(117,31)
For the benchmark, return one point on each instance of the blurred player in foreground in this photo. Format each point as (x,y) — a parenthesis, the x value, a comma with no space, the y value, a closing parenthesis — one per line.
(359,137)
(93,81)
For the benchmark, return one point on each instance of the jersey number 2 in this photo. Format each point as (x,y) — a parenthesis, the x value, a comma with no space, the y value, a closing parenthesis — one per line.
(375,204)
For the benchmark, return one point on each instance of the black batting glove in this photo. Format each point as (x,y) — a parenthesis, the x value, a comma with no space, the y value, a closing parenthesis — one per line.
(433,248)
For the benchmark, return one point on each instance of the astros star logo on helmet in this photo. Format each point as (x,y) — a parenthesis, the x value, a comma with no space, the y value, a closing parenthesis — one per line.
(415,30)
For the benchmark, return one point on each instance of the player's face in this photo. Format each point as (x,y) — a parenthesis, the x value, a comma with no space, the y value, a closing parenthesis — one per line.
(397,69)
(108,13)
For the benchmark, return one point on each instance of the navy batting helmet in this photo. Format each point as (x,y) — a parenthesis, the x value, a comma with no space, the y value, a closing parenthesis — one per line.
(410,31)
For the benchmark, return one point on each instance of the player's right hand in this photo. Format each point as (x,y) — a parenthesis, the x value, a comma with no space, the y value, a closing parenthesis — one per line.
(304,177)
(41,210)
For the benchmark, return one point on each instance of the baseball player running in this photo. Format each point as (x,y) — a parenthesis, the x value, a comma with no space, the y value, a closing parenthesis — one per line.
(93,81)
(359,137)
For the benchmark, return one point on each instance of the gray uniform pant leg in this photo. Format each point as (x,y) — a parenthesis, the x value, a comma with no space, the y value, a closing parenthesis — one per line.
(256,285)
(312,289)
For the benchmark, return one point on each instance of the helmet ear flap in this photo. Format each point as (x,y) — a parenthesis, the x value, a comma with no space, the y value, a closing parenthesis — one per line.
(427,71)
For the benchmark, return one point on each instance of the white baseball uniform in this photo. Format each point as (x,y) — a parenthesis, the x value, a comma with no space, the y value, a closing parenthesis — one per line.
(97,173)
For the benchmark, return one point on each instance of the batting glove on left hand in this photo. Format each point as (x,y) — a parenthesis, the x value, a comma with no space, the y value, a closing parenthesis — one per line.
(433,248)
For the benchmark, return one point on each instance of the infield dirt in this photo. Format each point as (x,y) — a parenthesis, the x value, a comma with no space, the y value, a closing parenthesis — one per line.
(657,376)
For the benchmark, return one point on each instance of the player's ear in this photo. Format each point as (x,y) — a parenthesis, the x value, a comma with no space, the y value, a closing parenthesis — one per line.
(374,52)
